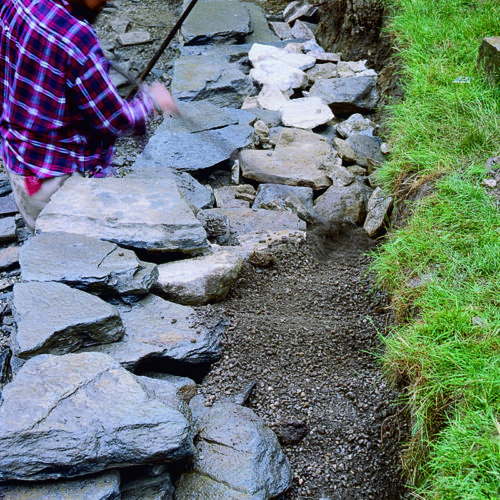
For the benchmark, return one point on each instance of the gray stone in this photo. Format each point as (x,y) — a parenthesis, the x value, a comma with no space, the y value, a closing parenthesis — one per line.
(489,58)
(216,225)
(8,205)
(158,331)
(104,486)
(54,318)
(238,458)
(134,38)
(247,220)
(89,264)
(5,187)
(199,281)
(149,215)
(378,206)
(296,160)
(7,230)
(325,57)
(207,135)
(305,112)
(211,77)
(361,149)
(216,22)
(355,124)
(295,199)
(282,30)
(261,33)
(64,416)
(230,197)
(301,30)
(322,71)
(355,94)
(185,387)
(298,9)
(147,488)
(341,203)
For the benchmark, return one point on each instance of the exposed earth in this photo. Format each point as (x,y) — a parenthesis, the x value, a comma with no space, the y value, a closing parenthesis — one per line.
(305,328)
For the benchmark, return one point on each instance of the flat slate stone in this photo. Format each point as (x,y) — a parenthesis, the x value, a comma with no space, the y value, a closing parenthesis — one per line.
(295,199)
(71,415)
(54,318)
(8,205)
(216,21)
(296,160)
(89,264)
(161,331)
(9,257)
(305,112)
(104,486)
(7,230)
(149,215)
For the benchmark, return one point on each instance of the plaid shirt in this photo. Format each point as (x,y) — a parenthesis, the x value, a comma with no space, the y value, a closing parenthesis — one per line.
(59,111)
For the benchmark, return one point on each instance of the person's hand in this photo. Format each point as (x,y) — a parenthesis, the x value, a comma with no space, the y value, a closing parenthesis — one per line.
(163,99)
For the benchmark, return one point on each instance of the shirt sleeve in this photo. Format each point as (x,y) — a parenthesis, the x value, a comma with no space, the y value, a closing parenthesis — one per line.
(94,94)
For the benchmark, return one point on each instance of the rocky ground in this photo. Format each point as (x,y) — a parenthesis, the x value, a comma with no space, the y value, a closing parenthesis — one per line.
(305,329)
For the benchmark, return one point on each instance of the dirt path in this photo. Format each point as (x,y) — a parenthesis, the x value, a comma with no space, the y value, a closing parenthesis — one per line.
(307,332)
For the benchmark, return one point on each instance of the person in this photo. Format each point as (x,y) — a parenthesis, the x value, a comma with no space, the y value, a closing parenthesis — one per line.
(60,113)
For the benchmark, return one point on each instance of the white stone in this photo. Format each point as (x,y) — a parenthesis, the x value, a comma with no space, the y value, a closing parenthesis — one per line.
(279,74)
(260,52)
(272,98)
(306,112)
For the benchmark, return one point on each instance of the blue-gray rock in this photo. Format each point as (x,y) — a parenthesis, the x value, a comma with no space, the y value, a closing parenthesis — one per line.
(159,332)
(238,458)
(105,486)
(361,149)
(216,22)
(261,32)
(64,416)
(8,205)
(7,230)
(158,487)
(90,264)
(54,318)
(148,215)
(354,94)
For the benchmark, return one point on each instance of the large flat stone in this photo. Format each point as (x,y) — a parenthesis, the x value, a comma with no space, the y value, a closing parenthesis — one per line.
(160,331)
(64,416)
(54,318)
(296,161)
(149,215)
(89,264)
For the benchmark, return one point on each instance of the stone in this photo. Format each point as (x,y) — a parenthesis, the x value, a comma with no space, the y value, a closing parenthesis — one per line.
(204,136)
(323,57)
(149,215)
(355,124)
(142,487)
(158,333)
(216,225)
(210,77)
(259,53)
(134,38)
(7,230)
(65,416)
(489,58)
(201,280)
(355,94)
(282,30)
(361,149)
(8,205)
(322,71)
(343,203)
(54,318)
(260,30)
(89,264)
(227,197)
(5,187)
(216,22)
(9,257)
(298,9)
(339,175)
(105,486)
(238,458)
(272,98)
(378,207)
(305,112)
(278,74)
(294,199)
(302,31)
(296,160)
(312,46)
(184,386)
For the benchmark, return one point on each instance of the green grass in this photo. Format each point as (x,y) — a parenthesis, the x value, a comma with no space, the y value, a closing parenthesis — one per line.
(443,268)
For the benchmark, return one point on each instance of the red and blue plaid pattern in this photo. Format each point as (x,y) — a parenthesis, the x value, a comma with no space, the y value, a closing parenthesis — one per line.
(59,111)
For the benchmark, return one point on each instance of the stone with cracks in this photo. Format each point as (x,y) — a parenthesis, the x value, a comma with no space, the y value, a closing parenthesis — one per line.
(295,199)
(322,71)
(272,98)
(361,149)
(141,487)
(261,32)
(378,206)
(297,9)
(355,94)
(159,332)
(296,161)
(216,22)
(355,124)
(238,457)
(212,77)
(105,486)
(204,136)
(65,416)
(199,281)
(89,264)
(149,215)
(54,318)
(305,112)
